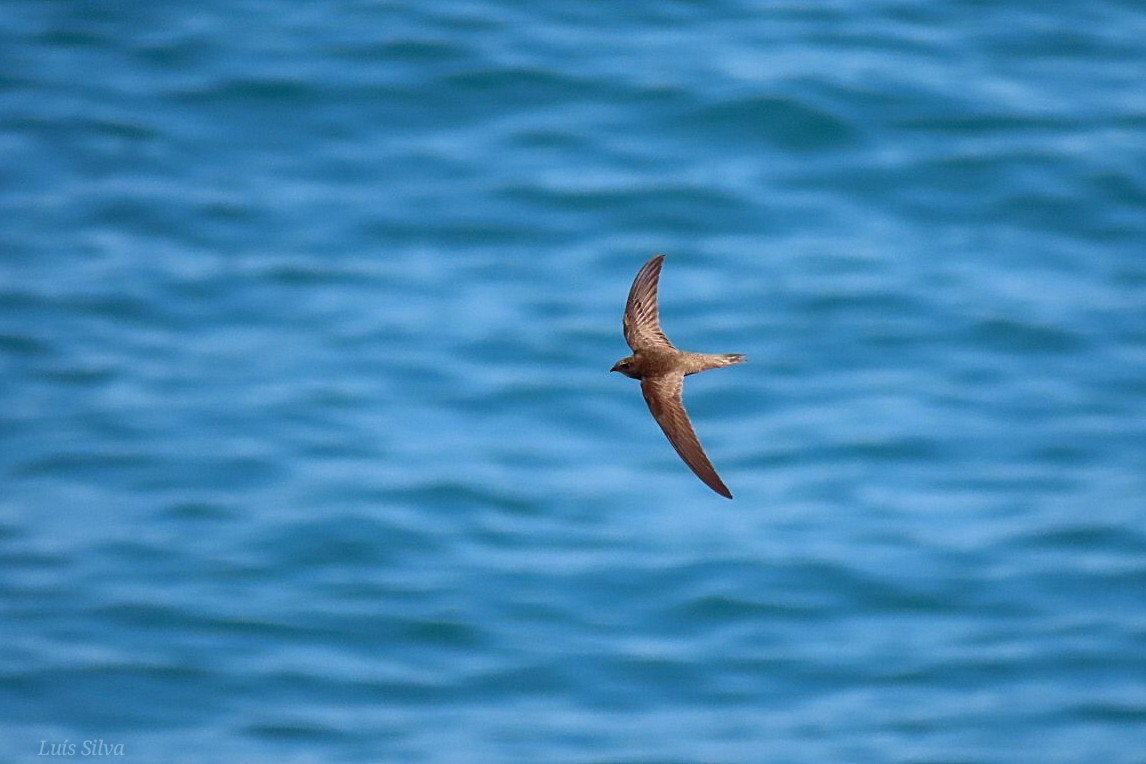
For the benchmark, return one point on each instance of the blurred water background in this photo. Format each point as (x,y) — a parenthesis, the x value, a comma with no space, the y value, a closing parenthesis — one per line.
(309,451)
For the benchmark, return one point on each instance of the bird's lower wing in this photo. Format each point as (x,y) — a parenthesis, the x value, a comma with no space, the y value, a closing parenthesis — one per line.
(663,394)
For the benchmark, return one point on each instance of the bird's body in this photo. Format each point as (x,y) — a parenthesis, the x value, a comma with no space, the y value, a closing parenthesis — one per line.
(661,367)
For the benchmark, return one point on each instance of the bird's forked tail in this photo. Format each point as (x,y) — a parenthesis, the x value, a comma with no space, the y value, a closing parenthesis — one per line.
(706,361)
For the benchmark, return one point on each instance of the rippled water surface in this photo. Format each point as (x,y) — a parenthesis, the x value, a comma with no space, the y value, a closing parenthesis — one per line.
(309,452)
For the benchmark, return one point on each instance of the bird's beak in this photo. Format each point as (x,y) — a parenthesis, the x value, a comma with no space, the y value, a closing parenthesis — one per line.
(614,367)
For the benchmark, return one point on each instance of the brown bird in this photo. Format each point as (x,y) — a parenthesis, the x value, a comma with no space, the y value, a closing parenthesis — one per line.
(661,367)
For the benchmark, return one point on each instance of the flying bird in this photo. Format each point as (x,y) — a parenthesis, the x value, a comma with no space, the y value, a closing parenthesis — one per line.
(661,368)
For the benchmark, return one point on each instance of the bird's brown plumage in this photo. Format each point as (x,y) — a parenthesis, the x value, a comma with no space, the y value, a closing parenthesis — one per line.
(642,322)
(661,367)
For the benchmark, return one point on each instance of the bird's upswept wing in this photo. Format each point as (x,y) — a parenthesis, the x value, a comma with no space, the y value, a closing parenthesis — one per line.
(642,323)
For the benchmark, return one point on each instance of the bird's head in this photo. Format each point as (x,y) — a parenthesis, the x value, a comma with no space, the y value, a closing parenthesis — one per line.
(627,366)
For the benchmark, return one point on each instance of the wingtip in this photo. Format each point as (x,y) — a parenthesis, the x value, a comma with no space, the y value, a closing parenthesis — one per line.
(717,485)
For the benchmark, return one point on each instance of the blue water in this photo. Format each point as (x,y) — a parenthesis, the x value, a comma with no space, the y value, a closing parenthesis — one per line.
(309,451)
